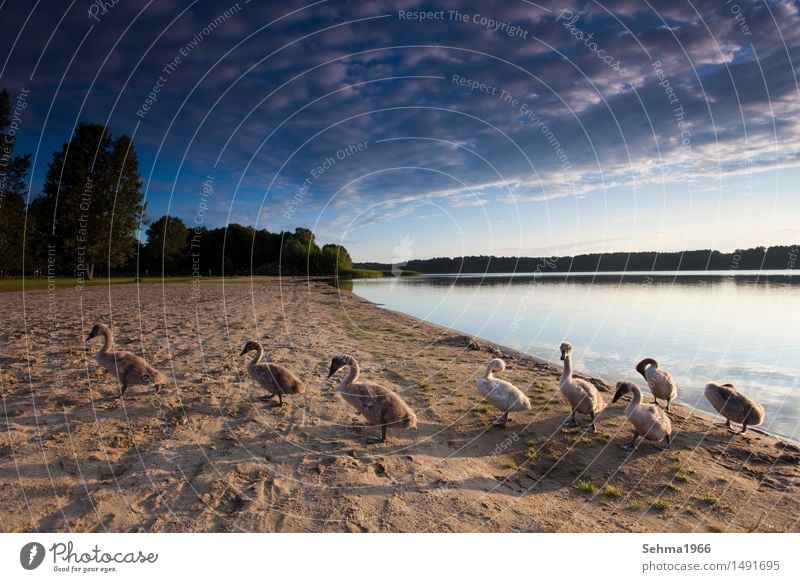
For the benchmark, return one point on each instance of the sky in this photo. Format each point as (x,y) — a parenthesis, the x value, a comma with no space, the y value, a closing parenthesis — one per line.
(407,129)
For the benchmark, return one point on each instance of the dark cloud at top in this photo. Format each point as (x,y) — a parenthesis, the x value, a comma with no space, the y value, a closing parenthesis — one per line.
(260,99)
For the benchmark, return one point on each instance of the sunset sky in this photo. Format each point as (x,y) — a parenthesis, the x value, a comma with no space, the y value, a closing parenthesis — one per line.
(506,128)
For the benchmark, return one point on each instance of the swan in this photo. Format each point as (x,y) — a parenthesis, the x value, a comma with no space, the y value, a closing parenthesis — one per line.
(648,420)
(661,382)
(734,405)
(581,395)
(129,369)
(379,405)
(501,394)
(274,378)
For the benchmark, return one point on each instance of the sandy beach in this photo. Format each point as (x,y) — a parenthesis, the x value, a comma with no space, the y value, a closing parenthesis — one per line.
(207,453)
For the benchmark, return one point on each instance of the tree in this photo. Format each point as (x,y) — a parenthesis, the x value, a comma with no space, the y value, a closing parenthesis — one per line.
(167,239)
(13,170)
(335,258)
(300,254)
(91,202)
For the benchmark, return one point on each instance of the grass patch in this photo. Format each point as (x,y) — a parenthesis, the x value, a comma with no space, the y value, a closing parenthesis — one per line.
(670,486)
(690,510)
(710,500)
(681,476)
(510,464)
(612,491)
(531,454)
(716,528)
(360,274)
(586,486)
(637,505)
(661,506)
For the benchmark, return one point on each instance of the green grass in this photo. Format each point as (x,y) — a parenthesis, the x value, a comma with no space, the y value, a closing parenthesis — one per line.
(710,500)
(510,464)
(670,486)
(681,476)
(16,283)
(612,491)
(637,504)
(661,505)
(481,408)
(360,274)
(716,528)
(586,486)
(531,454)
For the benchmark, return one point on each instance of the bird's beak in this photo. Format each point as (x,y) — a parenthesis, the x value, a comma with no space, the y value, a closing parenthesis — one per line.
(244,351)
(333,370)
(91,335)
(562,356)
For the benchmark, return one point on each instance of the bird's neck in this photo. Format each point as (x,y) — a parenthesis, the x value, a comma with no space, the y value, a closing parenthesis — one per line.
(108,341)
(635,401)
(257,358)
(352,375)
(488,373)
(566,375)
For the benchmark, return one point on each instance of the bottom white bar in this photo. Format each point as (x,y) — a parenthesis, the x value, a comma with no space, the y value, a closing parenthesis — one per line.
(390,557)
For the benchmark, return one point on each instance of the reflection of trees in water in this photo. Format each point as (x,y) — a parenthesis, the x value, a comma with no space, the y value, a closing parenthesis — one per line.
(606,279)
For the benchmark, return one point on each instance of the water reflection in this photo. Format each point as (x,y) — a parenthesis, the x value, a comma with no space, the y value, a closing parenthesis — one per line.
(739,328)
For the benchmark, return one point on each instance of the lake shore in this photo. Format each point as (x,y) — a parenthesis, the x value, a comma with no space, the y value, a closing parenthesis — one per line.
(207,454)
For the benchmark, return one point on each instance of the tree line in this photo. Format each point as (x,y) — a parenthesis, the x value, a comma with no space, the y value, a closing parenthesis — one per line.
(775,257)
(91,206)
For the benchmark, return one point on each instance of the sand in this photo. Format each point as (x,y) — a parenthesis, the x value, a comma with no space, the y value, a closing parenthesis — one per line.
(207,453)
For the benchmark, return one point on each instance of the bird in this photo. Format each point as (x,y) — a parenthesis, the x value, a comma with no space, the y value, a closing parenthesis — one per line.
(379,405)
(501,394)
(129,369)
(734,405)
(661,382)
(274,378)
(649,421)
(581,395)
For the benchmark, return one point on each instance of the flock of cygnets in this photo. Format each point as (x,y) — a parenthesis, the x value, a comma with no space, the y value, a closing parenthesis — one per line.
(384,408)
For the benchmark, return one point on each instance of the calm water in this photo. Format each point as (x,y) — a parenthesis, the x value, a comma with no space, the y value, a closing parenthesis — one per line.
(741,329)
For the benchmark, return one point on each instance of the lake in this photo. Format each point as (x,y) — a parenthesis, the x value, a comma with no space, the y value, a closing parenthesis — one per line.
(728,327)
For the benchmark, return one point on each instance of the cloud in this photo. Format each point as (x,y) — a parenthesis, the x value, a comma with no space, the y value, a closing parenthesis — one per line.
(277,89)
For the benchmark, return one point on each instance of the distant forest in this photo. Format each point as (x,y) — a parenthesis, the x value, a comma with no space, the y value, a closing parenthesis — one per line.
(85,220)
(777,257)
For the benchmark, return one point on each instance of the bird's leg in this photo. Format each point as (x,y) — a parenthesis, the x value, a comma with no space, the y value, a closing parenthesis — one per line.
(592,425)
(501,420)
(571,421)
(280,399)
(122,389)
(381,439)
(667,438)
(744,427)
(632,445)
(669,401)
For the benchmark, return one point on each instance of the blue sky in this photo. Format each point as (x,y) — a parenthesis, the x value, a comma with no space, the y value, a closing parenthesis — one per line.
(592,127)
